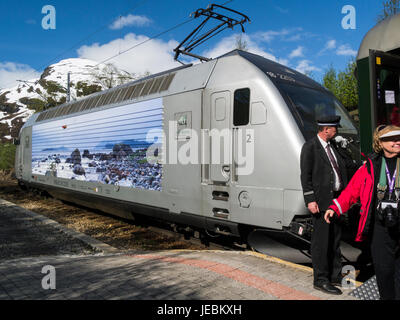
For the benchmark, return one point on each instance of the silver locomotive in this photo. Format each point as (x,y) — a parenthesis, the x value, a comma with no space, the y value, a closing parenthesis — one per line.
(210,147)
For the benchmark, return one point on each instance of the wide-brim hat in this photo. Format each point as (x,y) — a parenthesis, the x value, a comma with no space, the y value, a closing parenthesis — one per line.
(392,133)
(329,121)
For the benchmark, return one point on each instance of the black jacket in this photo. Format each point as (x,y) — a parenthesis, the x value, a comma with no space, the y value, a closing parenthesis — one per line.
(317,176)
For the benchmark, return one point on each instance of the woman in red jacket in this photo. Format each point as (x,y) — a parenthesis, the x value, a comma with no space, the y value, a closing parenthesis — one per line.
(377,186)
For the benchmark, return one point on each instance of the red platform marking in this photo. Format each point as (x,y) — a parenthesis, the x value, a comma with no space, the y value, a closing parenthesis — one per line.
(268,286)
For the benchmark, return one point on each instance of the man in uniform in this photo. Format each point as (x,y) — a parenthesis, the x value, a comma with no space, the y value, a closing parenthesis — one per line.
(323,176)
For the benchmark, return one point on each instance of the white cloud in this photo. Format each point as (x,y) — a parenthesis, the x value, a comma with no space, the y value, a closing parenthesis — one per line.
(153,56)
(252,41)
(268,36)
(282,10)
(288,35)
(346,50)
(230,43)
(305,66)
(342,50)
(297,53)
(129,20)
(10,72)
(331,44)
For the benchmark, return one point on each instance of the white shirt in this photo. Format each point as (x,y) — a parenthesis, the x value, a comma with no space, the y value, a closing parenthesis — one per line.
(336,186)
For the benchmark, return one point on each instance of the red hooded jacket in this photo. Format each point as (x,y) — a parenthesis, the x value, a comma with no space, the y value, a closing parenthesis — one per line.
(361,188)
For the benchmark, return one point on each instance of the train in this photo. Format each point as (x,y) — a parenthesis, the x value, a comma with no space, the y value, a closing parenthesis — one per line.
(212,147)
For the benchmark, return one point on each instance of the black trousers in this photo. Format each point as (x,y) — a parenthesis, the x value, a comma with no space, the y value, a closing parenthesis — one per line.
(325,250)
(385,251)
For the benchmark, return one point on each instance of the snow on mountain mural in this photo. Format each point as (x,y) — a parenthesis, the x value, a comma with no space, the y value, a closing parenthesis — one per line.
(108,146)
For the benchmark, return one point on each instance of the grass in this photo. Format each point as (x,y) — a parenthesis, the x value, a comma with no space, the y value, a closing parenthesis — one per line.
(117,232)
(7,156)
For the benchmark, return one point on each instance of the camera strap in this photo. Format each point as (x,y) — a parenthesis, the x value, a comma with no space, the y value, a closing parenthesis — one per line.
(397,185)
(385,179)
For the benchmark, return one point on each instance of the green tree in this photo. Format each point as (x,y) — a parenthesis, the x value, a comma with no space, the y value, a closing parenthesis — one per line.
(347,87)
(343,85)
(84,89)
(390,8)
(330,80)
(7,156)
(241,43)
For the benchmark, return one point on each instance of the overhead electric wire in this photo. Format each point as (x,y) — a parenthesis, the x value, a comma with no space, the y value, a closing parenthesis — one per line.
(42,67)
(136,45)
(154,37)
(147,40)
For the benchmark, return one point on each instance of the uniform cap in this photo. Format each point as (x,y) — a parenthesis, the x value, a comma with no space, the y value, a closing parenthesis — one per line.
(329,121)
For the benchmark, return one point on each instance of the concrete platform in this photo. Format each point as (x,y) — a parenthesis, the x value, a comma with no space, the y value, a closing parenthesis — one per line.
(84,268)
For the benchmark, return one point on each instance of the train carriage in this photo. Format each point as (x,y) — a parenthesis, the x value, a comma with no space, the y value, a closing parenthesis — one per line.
(213,146)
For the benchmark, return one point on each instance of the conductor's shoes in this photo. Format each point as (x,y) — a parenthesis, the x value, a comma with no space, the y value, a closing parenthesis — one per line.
(327,288)
(337,282)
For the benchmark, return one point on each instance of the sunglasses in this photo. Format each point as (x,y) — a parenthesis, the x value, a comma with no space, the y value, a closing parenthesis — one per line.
(381,127)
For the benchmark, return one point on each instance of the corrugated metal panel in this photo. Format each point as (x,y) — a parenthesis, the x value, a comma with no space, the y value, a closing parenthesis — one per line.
(119,96)
(108,98)
(138,89)
(76,106)
(114,97)
(102,98)
(128,92)
(51,114)
(41,116)
(147,87)
(45,115)
(156,86)
(58,112)
(65,109)
(167,82)
(95,101)
(141,89)
(87,105)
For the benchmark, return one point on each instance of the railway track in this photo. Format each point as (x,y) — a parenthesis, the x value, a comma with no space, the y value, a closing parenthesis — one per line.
(199,241)
(123,234)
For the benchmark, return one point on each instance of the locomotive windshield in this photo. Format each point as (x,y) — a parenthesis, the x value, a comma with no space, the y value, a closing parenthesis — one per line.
(306,98)
(307,104)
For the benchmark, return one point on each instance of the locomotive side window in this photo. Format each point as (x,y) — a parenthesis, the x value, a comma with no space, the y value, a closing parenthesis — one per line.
(241,107)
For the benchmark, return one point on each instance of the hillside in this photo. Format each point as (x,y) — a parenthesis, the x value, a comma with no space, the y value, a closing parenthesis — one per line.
(86,77)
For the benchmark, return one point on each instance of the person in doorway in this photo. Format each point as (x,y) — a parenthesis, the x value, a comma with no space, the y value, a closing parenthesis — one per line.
(323,176)
(377,186)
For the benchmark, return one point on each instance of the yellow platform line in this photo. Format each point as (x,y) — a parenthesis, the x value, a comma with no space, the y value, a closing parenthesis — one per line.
(264,257)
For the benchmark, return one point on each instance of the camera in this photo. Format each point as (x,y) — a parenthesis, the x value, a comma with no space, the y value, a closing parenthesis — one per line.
(388,213)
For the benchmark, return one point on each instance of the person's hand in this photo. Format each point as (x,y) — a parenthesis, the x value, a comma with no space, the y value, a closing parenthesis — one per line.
(328,215)
(313,207)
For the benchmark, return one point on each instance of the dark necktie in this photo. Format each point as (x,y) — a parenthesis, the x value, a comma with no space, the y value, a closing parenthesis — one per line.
(334,164)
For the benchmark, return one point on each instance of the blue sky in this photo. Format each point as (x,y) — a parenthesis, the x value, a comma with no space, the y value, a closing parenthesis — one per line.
(305,35)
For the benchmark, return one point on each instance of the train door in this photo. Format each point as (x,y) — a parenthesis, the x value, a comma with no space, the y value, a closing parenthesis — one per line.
(228,135)
(220,138)
(385,76)
(224,113)
(216,154)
